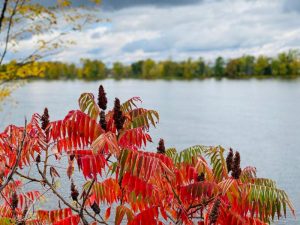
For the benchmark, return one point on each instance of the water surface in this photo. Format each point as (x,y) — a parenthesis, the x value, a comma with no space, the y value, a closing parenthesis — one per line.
(259,118)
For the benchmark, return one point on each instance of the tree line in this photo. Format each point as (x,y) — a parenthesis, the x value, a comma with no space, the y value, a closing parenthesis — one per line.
(285,65)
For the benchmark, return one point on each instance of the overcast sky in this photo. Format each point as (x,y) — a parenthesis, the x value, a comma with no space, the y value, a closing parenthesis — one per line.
(179,29)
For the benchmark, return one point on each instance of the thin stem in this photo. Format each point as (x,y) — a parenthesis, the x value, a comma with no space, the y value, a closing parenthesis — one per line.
(3,13)
(32,205)
(84,200)
(86,196)
(8,30)
(63,200)
(54,190)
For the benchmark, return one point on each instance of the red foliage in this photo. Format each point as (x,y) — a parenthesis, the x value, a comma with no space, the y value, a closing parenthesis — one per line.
(140,187)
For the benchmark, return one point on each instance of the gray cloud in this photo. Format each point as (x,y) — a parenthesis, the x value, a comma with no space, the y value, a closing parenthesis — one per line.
(287,5)
(226,27)
(117,4)
(121,4)
(292,5)
(154,45)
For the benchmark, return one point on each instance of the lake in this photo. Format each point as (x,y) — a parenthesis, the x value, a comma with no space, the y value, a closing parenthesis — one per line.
(259,118)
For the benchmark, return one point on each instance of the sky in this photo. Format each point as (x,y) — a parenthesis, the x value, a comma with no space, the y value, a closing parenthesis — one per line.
(179,29)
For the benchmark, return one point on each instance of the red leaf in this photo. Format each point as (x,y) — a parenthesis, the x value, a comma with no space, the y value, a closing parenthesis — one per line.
(107,213)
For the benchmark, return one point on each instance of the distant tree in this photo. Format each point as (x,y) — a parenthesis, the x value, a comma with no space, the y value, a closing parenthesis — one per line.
(148,69)
(233,68)
(118,70)
(294,56)
(285,65)
(137,68)
(189,69)
(93,69)
(171,69)
(262,66)
(200,68)
(219,67)
(247,65)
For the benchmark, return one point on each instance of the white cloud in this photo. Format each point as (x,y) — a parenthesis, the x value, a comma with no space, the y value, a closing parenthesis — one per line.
(229,28)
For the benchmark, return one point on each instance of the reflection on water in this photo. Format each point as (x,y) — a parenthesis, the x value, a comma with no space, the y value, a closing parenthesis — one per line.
(258,118)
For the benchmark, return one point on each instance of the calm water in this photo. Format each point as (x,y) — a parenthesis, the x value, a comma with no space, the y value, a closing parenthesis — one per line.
(261,119)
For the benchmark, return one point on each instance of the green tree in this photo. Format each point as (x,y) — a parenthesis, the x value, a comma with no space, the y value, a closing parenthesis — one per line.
(137,68)
(93,69)
(148,69)
(189,69)
(247,65)
(219,67)
(200,68)
(233,68)
(118,70)
(262,66)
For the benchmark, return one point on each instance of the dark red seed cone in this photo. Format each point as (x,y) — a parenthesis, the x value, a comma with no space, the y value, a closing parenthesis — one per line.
(74,192)
(214,214)
(74,195)
(103,121)
(229,160)
(102,100)
(95,208)
(236,167)
(72,156)
(45,119)
(161,147)
(201,177)
(118,116)
(38,158)
(14,200)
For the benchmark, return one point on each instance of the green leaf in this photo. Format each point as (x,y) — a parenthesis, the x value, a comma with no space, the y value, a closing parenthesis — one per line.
(188,155)
(6,221)
(88,105)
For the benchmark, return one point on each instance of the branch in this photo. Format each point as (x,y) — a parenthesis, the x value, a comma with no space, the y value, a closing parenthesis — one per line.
(94,218)
(8,203)
(174,192)
(63,200)
(8,30)
(32,205)
(28,178)
(54,190)
(86,196)
(3,13)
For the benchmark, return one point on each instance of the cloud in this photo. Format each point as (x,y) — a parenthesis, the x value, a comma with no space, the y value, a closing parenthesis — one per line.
(205,29)
(117,4)
(292,5)
(153,45)
(121,4)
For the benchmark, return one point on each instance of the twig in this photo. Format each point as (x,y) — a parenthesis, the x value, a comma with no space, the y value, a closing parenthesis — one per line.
(6,199)
(28,177)
(3,13)
(36,201)
(90,215)
(86,196)
(8,30)
(54,190)
(64,201)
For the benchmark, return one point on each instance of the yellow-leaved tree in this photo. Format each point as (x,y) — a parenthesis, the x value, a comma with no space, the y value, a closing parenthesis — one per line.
(41,28)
